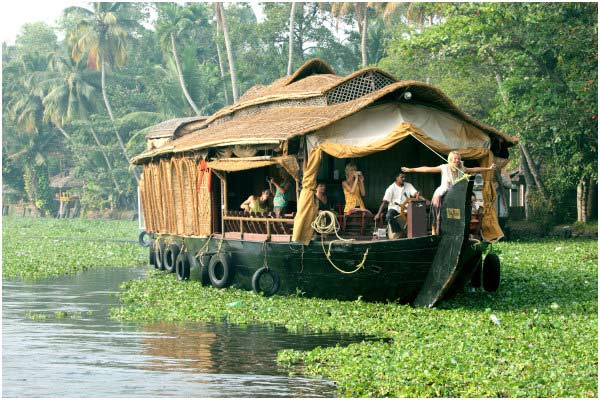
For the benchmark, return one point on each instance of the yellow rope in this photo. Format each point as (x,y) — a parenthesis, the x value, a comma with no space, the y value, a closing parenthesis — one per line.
(321,226)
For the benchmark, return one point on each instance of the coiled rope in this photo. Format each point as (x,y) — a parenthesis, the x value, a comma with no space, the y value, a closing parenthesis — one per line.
(321,226)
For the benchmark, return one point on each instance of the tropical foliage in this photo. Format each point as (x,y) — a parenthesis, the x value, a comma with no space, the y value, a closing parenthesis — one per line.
(528,68)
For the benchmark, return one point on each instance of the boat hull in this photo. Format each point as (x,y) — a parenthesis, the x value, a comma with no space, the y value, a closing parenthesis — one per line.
(392,270)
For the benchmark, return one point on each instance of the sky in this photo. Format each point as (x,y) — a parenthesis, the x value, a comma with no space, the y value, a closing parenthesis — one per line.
(15,13)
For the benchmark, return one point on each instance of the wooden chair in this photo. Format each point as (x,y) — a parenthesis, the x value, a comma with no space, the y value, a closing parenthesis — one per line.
(358,223)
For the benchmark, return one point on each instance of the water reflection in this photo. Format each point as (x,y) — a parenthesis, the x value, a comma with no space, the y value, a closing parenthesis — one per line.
(88,355)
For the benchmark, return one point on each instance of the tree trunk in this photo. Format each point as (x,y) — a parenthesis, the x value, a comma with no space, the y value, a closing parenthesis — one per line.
(65,134)
(534,172)
(291,39)
(108,164)
(529,184)
(180,76)
(221,67)
(234,87)
(591,197)
(581,203)
(112,118)
(363,38)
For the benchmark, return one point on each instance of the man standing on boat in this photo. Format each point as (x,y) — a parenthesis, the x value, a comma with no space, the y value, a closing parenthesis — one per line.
(394,196)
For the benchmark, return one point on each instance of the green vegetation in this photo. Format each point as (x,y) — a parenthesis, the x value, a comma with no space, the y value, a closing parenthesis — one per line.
(536,337)
(529,69)
(39,247)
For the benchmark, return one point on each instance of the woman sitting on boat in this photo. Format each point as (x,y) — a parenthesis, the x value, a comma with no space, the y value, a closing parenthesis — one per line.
(354,188)
(257,204)
(451,173)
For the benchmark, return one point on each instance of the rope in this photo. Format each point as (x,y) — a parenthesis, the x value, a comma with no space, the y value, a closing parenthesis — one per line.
(464,174)
(201,252)
(321,226)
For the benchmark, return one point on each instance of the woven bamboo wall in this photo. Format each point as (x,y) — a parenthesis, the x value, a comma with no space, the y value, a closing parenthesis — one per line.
(175,197)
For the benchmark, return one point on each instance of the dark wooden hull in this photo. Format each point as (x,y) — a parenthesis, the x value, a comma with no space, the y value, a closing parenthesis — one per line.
(393,270)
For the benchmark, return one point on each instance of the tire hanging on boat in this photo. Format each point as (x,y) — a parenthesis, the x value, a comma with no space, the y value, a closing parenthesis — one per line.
(171,254)
(256,281)
(182,267)
(491,272)
(220,270)
(160,255)
(142,239)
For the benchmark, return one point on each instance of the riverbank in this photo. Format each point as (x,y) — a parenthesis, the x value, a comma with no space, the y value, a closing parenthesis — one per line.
(536,337)
(34,248)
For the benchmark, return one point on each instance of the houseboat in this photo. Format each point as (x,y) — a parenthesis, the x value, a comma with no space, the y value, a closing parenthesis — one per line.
(305,128)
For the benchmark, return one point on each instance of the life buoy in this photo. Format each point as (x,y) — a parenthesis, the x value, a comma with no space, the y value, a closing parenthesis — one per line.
(171,254)
(491,272)
(256,281)
(143,241)
(220,271)
(182,267)
(160,255)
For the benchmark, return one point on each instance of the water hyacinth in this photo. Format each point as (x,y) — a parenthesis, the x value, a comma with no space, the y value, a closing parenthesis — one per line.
(454,350)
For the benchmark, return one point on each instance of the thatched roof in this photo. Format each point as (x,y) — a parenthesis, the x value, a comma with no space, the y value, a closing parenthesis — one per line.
(65,182)
(300,104)
(169,128)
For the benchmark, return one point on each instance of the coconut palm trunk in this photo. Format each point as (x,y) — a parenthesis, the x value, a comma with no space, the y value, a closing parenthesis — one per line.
(112,118)
(108,164)
(180,76)
(221,16)
(291,40)
(363,37)
(221,66)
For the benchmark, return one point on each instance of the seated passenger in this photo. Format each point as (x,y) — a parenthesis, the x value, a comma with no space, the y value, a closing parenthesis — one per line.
(393,198)
(354,188)
(321,195)
(258,204)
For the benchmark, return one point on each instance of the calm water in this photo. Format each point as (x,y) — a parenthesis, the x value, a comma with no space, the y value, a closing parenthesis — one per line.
(88,355)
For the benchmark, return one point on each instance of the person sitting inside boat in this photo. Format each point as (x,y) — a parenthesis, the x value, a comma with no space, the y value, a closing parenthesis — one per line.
(321,195)
(257,204)
(354,188)
(451,173)
(281,193)
(394,196)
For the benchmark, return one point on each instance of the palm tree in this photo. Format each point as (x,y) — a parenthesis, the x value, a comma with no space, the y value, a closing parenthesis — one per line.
(70,94)
(102,34)
(291,39)
(220,15)
(360,10)
(174,20)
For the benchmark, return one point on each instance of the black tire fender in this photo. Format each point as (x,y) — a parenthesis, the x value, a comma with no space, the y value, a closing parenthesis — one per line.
(170,258)
(160,255)
(491,272)
(256,281)
(182,267)
(220,270)
(144,239)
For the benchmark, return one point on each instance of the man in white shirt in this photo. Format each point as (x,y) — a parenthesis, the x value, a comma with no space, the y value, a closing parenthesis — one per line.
(394,196)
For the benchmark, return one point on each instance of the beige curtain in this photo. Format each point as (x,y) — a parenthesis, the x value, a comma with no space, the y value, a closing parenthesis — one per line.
(307,207)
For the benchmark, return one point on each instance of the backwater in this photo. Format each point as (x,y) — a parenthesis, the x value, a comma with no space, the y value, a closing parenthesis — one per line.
(58,341)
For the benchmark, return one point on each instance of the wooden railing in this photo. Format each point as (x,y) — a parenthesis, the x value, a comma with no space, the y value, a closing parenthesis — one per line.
(257,226)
